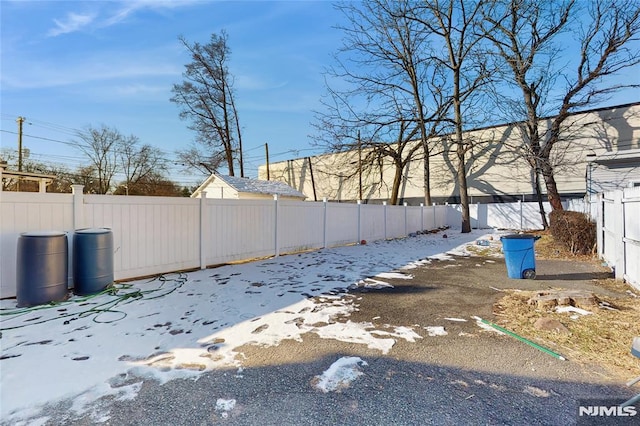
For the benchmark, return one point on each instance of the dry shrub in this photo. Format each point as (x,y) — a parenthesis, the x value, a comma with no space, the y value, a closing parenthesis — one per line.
(574,231)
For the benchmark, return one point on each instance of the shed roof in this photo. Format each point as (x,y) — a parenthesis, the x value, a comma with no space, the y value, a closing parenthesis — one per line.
(253,186)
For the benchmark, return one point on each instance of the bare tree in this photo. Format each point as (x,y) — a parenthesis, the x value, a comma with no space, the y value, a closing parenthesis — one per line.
(526,38)
(99,145)
(87,177)
(206,99)
(386,105)
(452,24)
(139,161)
(523,35)
(153,184)
(604,52)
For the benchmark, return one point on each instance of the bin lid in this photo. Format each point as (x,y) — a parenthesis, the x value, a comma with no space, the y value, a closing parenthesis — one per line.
(93,231)
(519,237)
(42,234)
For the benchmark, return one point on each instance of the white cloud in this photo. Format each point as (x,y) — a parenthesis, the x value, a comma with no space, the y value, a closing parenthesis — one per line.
(73,22)
(76,21)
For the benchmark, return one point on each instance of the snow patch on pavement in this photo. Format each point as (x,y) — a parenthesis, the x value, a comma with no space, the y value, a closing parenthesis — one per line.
(339,375)
(436,331)
(375,284)
(225,405)
(395,275)
(486,327)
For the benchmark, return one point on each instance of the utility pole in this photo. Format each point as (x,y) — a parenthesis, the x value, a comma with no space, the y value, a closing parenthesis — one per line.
(266,148)
(20,120)
(313,181)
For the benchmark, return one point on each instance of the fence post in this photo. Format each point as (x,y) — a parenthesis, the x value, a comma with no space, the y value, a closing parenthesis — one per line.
(384,203)
(435,220)
(277,211)
(78,206)
(359,220)
(324,223)
(421,217)
(406,225)
(600,225)
(203,230)
(618,229)
(520,206)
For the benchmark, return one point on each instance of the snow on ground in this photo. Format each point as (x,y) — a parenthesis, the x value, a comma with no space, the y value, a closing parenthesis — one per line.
(436,330)
(340,374)
(225,405)
(180,325)
(396,275)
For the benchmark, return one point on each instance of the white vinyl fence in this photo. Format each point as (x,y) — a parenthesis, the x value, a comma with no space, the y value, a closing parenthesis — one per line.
(153,235)
(618,219)
(522,216)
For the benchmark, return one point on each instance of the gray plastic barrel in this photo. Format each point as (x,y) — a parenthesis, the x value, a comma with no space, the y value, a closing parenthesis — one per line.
(92,260)
(42,268)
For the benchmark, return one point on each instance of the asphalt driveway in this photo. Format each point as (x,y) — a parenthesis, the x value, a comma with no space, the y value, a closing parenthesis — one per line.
(449,370)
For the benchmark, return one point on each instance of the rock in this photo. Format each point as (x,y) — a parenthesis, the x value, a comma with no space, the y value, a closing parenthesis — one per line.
(550,324)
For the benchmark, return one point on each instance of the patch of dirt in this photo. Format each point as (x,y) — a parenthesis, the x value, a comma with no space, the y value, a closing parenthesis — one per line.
(603,337)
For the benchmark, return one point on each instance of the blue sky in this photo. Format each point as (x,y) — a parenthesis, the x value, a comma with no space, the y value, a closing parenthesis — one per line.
(68,64)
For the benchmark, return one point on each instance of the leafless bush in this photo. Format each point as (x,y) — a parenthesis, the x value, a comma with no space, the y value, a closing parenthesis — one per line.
(574,231)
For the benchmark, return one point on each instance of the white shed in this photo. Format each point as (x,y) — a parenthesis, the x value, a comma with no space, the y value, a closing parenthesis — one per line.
(238,188)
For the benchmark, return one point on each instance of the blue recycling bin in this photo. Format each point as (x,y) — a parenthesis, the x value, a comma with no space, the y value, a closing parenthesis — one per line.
(519,255)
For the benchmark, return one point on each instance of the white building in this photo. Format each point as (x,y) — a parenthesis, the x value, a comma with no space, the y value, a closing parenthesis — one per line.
(593,141)
(238,188)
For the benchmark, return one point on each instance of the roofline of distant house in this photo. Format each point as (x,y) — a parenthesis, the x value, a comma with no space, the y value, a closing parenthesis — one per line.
(495,126)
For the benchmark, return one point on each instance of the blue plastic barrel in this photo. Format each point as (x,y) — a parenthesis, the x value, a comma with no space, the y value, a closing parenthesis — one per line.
(42,268)
(519,255)
(92,260)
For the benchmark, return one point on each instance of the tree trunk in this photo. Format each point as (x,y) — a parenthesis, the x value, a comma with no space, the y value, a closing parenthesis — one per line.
(427,175)
(543,215)
(397,179)
(462,184)
(552,189)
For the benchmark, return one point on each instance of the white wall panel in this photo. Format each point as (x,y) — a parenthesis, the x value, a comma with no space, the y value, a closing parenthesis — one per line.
(151,235)
(342,224)
(372,222)
(395,221)
(239,229)
(414,219)
(300,226)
